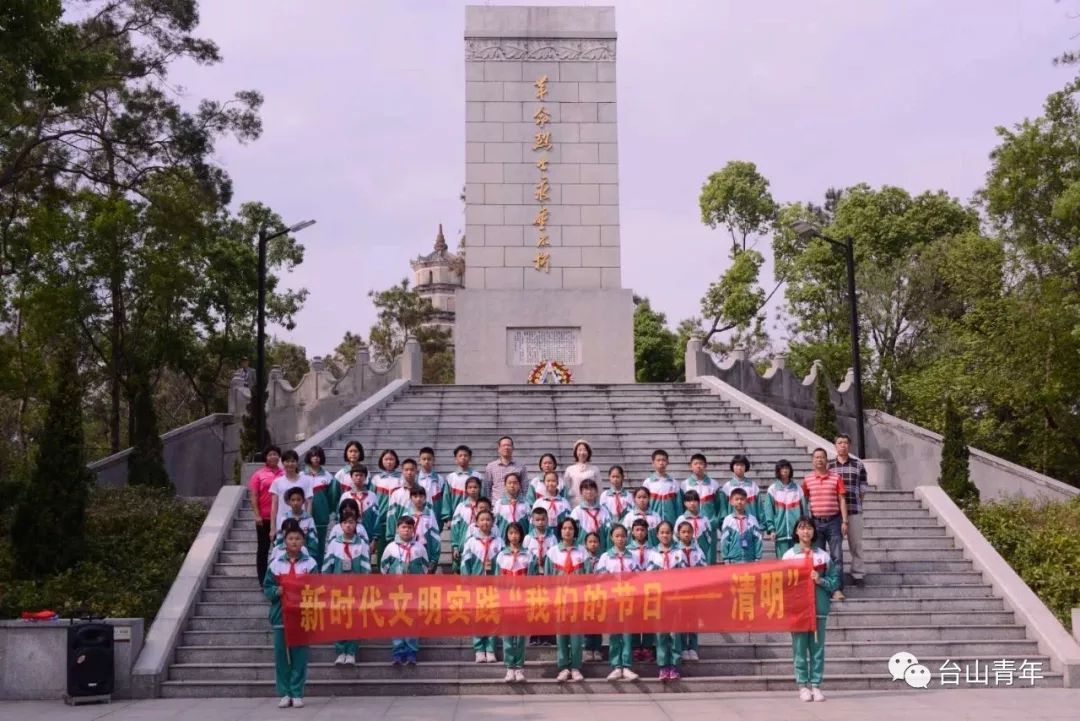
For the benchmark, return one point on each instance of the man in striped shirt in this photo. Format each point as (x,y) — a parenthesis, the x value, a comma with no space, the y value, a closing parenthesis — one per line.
(853,473)
(495,473)
(824,490)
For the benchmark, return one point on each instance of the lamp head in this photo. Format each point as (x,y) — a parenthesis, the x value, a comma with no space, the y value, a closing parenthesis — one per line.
(301,225)
(805,229)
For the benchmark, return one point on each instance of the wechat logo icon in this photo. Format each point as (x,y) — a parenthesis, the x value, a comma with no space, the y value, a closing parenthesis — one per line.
(904,666)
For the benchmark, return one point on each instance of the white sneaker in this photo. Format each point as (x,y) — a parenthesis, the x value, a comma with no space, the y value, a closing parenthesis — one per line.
(816,693)
(285,702)
(805,695)
(629,675)
(519,675)
(685,655)
(481,657)
(692,655)
(564,675)
(491,658)
(340,660)
(510,676)
(298,703)
(350,660)
(575,675)
(615,675)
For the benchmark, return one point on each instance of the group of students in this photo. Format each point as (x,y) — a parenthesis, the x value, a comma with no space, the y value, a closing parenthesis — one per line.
(391,521)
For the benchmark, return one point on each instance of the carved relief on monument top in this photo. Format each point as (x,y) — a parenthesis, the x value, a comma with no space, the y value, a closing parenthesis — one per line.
(487,49)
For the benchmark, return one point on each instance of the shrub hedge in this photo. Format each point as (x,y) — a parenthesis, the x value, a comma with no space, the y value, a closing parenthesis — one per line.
(1040,542)
(136,540)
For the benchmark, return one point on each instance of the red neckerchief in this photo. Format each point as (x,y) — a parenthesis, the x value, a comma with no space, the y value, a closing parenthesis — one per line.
(622,564)
(513,509)
(406,549)
(487,546)
(667,561)
(741,520)
(618,503)
(694,522)
(594,514)
(348,550)
(687,552)
(568,562)
(641,555)
(292,567)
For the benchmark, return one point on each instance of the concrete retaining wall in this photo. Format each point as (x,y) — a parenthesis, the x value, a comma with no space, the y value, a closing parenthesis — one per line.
(199,457)
(33,657)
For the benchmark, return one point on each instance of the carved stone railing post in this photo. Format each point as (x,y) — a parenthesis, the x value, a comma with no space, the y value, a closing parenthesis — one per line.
(412,362)
(274,397)
(692,359)
(239,395)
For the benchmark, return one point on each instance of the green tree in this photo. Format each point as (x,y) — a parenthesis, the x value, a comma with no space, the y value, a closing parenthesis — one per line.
(146,464)
(290,357)
(737,197)
(402,313)
(344,355)
(824,410)
(657,357)
(890,229)
(955,478)
(47,530)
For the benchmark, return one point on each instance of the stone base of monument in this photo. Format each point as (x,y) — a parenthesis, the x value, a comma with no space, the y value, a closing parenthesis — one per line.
(501,335)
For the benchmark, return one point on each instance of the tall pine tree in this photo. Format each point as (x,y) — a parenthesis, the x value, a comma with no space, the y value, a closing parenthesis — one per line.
(47,531)
(955,476)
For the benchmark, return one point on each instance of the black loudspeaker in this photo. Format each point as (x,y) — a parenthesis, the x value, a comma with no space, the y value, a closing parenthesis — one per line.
(89,660)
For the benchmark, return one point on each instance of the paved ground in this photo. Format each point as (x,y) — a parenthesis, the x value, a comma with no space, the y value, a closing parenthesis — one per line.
(901,705)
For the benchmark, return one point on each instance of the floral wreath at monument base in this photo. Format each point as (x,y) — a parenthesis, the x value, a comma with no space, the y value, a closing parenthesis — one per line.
(550,372)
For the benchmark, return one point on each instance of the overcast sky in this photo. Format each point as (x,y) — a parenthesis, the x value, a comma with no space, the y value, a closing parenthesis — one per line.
(365,111)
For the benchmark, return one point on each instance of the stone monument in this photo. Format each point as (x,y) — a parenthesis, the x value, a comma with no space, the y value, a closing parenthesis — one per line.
(542,278)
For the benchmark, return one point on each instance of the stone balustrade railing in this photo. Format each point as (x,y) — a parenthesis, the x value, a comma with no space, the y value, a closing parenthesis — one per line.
(295,412)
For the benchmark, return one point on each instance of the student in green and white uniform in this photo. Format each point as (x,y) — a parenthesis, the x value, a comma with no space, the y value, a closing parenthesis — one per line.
(664,491)
(363,502)
(740,534)
(511,508)
(784,504)
(427,526)
(432,481)
(808,647)
(290,664)
(539,539)
(385,480)
(557,506)
(619,559)
(464,518)
(347,551)
(708,490)
(400,501)
(594,642)
(537,489)
(567,559)
(514,559)
(405,555)
(641,510)
(739,466)
(704,530)
(297,511)
(694,557)
(478,559)
(591,517)
(665,557)
(323,502)
(455,483)
(354,455)
(640,545)
(616,499)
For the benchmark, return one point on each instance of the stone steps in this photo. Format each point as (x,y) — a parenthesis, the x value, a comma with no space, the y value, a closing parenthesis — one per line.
(920,594)
(324,670)
(460,649)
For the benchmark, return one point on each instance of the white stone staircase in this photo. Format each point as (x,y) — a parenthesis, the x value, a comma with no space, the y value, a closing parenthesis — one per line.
(921,595)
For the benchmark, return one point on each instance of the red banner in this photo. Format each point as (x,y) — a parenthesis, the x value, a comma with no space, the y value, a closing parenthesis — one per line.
(751,597)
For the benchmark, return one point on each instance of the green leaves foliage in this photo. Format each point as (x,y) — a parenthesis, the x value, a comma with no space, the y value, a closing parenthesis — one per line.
(658,356)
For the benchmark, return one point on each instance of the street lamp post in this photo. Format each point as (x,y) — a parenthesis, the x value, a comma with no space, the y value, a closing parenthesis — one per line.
(260,334)
(808,230)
